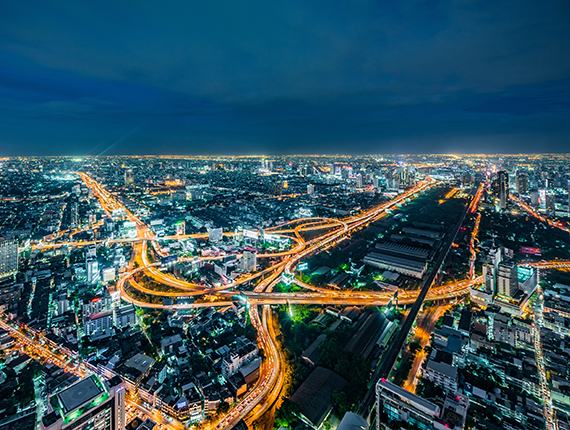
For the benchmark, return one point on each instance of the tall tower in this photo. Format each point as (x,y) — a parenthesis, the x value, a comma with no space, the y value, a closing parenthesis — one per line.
(522,183)
(129,178)
(8,258)
(503,189)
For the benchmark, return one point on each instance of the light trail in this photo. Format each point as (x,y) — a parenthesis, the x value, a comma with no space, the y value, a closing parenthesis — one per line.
(269,383)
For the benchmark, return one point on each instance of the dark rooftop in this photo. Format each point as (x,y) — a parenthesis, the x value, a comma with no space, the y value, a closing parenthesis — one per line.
(79,394)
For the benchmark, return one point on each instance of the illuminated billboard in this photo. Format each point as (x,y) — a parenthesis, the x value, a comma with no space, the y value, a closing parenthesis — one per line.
(531,251)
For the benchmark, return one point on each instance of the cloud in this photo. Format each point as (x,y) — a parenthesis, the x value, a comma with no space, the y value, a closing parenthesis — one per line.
(265,73)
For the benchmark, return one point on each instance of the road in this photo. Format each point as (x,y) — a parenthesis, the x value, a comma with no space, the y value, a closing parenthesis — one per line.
(268,387)
(389,357)
(267,390)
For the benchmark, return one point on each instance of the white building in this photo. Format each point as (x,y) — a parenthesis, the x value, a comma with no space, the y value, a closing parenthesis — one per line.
(249,260)
(108,274)
(93,273)
(215,234)
(442,374)
(125,316)
(101,321)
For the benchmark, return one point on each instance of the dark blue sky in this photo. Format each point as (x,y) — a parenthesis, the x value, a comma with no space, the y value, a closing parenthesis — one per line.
(255,77)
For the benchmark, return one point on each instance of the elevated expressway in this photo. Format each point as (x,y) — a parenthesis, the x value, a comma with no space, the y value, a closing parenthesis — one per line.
(267,389)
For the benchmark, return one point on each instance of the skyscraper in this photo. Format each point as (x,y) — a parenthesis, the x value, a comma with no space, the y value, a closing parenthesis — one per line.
(129,178)
(550,204)
(500,188)
(8,258)
(507,278)
(522,183)
(90,403)
(249,259)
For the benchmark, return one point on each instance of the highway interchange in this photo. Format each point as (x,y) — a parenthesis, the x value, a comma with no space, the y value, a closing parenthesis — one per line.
(268,388)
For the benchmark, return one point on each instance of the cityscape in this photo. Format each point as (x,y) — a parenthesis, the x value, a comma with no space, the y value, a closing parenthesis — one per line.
(301,215)
(412,291)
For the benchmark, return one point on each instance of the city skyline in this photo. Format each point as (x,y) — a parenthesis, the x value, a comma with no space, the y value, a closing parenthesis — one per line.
(454,77)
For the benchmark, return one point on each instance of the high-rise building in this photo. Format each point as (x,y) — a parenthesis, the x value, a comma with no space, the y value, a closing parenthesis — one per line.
(8,258)
(507,278)
(92,267)
(359,181)
(490,269)
(521,183)
(249,259)
(129,178)
(90,403)
(332,169)
(503,180)
(310,189)
(534,198)
(550,204)
(74,214)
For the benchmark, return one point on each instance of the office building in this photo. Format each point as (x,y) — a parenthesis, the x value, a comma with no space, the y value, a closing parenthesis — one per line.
(507,278)
(74,214)
(502,190)
(550,204)
(490,269)
(129,178)
(93,273)
(442,374)
(8,258)
(521,185)
(534,198)
(90,403)
(125,316)
(249,259)
(98,323)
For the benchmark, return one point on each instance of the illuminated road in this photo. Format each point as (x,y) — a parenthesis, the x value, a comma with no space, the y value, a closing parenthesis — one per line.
(538,216)
(41,349)
(268,387)
(270,382)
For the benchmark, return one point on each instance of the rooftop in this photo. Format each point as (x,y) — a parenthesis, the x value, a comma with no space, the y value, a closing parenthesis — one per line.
(80,393)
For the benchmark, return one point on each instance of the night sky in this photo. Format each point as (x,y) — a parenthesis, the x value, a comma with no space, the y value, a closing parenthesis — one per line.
(267,77)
